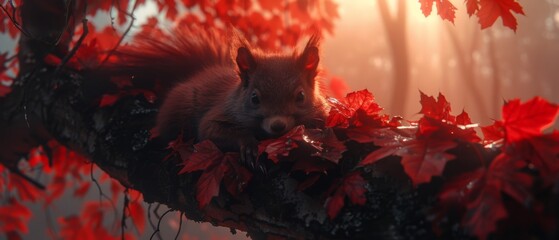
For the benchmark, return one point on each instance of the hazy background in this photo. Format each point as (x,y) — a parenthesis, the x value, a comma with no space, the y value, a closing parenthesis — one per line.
(475,69)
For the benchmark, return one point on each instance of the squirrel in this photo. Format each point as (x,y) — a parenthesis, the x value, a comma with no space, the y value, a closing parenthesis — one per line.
(227,91)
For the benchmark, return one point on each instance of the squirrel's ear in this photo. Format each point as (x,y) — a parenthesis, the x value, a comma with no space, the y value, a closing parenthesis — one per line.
(245,60)
(310,57)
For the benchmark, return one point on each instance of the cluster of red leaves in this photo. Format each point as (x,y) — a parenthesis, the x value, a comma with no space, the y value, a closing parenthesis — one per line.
(423,150)
(523,146)
(65,171)
(487,11)
(423,147)
(217,167)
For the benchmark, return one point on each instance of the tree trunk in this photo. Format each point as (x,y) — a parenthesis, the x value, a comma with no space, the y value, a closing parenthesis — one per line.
(395,27)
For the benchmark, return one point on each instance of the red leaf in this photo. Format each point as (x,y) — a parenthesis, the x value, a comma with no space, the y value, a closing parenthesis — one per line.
(205,154)
(14,217)
(472,6)
(108,100)
(170,6)
(334,204)
(352,186)
(505,174)
(423,160)
(426,7)
(283,145)
(137,214)
(55,189)
(543,152)
(4,90)
(52,60)
(459,188)
(82,190)
(463,118)
(237,176)
(326,142)
(357,109)
(208,184)
(446,10)
(437,109)
(72,227)
(270,4)
(484,212)
(490,10)
(436,129)
(528,119)
(26,191)
(493,132)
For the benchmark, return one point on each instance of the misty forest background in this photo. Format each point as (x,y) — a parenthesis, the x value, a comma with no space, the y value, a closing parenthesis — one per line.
(475,69)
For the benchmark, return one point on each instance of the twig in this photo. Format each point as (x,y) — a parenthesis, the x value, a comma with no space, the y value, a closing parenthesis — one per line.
(124,208)
(132,19)
(78,43)
(27,178)
(13,19)
(101,193)
(180,226)
(156,215)
(159,224)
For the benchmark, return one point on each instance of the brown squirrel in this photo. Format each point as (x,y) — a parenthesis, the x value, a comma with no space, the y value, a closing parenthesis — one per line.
(229,92)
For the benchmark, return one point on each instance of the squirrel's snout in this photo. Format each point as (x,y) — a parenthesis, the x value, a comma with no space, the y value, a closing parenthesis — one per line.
(277,125)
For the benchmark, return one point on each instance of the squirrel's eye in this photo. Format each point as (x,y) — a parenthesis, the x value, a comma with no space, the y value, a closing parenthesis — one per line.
(254,98)
(300,98)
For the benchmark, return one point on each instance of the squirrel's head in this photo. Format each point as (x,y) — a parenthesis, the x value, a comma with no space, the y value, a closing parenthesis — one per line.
(279,90)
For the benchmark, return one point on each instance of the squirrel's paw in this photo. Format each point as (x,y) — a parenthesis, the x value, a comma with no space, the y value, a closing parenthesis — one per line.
(249,152)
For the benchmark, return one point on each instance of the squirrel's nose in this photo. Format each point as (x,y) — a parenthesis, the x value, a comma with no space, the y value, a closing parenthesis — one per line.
(278,126)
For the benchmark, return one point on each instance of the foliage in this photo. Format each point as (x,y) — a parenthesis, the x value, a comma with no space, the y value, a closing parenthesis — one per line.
(526,155)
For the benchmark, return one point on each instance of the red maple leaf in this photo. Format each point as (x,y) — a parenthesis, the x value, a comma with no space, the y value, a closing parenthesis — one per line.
(445,9)
(480,192)
(422,158)
(207,186)
(236,176)
(433,128)
(493,133)
(283,145)
(529,119)
(425,159)
(82,189)
(484,212)
(490,10)
(472,6)
(436,108)
(216,167)
(463,118)
(137,214)
(327,144)
(357,109)
(205,153)
(543,152)
(352,186)
(14,217)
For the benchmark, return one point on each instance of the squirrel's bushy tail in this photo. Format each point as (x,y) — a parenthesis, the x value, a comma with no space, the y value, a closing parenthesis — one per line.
(168,59)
